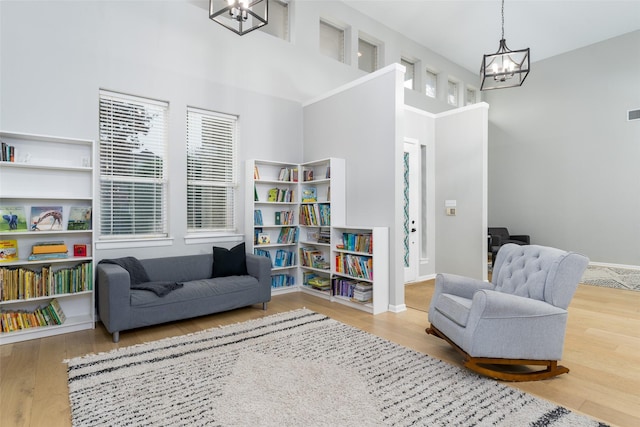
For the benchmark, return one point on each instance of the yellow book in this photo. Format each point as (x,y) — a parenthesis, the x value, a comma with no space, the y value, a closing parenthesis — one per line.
(49,249)
(8,250)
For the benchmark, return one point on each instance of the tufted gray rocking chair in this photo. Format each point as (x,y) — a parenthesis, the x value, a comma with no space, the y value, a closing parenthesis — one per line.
(519,318)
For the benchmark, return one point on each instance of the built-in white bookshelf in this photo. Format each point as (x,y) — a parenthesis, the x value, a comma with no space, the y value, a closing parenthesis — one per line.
(313,199)
(360,267)
(46,172)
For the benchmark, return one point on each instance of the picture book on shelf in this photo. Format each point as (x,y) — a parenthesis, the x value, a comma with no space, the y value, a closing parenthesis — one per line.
(264,238)
(13,218)
(309,195)
(79,218)
(46,218)
(8,250)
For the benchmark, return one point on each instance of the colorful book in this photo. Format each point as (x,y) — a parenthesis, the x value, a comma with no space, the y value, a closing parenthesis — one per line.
(49,248)
(264,238)
(58,310)
(13,218)
(46,218)
(8,250)
(41,257)
(309,195)
(79,218)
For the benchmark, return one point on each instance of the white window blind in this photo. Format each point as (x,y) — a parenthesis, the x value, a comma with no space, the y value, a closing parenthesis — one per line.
(367,56)
(211,171)
(471,96)
(409,73)
(452,93)
(278,25)
(431,86)
(133,159)
(332,41)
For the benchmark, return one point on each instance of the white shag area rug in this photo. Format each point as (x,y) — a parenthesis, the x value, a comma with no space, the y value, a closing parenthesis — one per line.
(297,368)
(612,277)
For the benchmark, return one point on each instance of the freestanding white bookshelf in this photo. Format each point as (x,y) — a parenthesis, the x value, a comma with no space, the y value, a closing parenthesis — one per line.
(48,171)
(313,199)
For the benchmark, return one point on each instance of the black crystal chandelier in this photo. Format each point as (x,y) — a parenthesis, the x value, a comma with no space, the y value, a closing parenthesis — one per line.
(505,68)
(239,16)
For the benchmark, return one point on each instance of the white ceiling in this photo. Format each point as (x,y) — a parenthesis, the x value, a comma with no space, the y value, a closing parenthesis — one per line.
(463,30)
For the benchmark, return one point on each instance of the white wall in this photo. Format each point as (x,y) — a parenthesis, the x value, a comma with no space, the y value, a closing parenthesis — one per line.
(564,162)
(362,124)
(57,55)
(461,176)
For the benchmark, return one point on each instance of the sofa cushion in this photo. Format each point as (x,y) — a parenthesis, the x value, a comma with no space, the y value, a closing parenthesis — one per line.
(229,262)
(195,290)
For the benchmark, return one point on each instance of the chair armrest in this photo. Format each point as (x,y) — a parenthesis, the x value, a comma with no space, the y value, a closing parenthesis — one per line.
(114,296)
(493,304)
(461,286)
(513,327)
(260,268)
(522,238)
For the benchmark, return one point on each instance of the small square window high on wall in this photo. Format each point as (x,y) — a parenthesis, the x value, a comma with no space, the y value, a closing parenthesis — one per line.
(278,24)
(331,41)
(409,74)
(367,56)
(452,93)
(471,96)
(431,84)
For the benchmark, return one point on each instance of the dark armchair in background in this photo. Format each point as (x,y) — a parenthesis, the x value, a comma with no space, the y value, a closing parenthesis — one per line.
(499,236)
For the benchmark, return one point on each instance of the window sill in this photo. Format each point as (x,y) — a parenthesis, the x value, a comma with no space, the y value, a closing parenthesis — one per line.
(196,239)
(134,243)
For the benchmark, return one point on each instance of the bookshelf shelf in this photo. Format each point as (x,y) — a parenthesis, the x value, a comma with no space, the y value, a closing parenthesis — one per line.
(54,174)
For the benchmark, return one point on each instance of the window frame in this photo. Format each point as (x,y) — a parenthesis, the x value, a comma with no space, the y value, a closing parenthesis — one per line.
(375,53)
(286,25)
(409,64)
(431,75)
(229,171)
(324,49)
(115,156)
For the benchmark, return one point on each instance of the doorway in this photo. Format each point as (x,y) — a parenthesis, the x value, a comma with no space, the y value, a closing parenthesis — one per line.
(412,201)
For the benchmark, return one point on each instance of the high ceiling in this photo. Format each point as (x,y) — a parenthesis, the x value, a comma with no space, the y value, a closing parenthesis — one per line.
(464,30)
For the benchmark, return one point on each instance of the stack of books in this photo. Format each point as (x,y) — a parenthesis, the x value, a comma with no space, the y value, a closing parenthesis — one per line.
(48,250)
(363,292)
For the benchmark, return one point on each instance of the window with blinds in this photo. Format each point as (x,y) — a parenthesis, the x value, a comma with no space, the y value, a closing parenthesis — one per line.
(278,25)
(409,74)
(133,159)
(211,171)
(367,56)
(331,41)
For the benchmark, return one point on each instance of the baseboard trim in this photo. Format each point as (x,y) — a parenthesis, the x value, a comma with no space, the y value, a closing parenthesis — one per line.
(397,308)
(610,265)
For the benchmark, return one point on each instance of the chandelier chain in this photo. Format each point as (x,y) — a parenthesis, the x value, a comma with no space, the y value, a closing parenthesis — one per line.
(503,19)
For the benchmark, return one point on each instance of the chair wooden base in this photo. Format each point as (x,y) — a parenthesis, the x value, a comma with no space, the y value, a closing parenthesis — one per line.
(478,364)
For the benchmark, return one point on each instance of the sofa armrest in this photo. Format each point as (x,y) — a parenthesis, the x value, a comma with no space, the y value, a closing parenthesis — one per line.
(260,268)
(114,299)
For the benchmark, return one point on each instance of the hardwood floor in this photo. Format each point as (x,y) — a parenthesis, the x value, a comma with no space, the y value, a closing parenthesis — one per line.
(602,349)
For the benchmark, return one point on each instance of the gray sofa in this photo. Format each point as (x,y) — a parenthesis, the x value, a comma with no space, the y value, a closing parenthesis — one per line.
(122,308)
